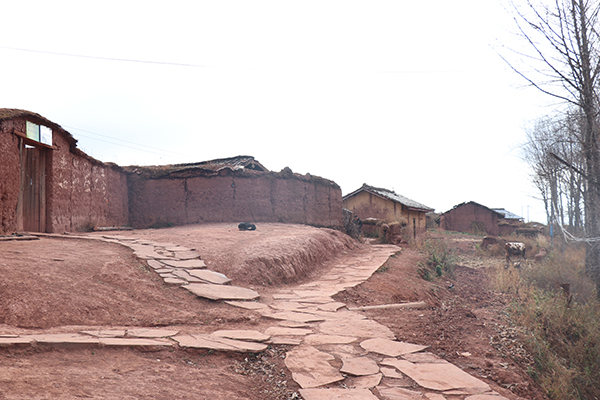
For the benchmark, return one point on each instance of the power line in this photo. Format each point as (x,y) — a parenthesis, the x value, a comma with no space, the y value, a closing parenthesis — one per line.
(130,144)
(54,53)
(105,58)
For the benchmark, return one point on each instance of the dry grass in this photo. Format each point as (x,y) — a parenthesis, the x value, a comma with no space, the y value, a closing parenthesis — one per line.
(563,327)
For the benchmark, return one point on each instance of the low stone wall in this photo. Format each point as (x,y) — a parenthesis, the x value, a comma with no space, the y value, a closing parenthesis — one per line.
(233,196)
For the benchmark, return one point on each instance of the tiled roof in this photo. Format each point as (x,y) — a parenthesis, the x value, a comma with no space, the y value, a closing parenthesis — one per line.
(391,195)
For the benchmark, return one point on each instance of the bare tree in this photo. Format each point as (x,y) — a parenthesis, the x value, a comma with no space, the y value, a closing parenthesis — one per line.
(550,140)
(563,41)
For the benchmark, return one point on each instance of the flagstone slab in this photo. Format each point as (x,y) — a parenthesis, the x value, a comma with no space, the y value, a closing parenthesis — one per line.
(191,264)
(221,292)
(250,335)
(391,373)
(174,281)
(209,276)
(125,342)
(105,332)
(494,396)
(314,300)
(148,255)
(334,306)
(284,331)
(248,305)
(294,324)
(10,341)
(337,394)
(423,358)
(288,305)
(64,338)
(363,328)
(151,333)
(359,366)
(201,341)
(155,264)
(363,382)
(390,348)
(185,254)
(439,376)
(284,296)
(318,339)
(291,341)
(434,396)
(116,237)
(310,367)
(294,316)
(397,393)
(183,274)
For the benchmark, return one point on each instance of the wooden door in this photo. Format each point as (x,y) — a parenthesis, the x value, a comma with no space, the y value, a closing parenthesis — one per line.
(33,189)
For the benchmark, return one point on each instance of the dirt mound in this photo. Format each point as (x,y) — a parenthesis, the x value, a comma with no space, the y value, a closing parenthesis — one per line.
(273,254)
(55,282)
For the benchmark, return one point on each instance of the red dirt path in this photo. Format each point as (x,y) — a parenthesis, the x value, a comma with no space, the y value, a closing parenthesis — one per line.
(61,285)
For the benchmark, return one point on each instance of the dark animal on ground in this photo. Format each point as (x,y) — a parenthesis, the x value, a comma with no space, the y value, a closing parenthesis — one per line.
(488,241)
(540,255)
(246,226)
(514,249)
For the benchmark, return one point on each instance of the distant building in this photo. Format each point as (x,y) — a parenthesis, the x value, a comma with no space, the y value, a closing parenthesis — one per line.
(473,217)
(387,205)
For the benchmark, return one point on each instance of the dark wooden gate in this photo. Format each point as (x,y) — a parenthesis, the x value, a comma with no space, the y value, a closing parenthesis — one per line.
(33,189)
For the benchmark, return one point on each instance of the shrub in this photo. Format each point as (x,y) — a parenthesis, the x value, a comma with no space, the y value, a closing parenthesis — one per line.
(440,259)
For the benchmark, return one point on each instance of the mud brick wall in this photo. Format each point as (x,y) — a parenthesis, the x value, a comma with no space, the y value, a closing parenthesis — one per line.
(234,196)
(468,216)
(83,193)
(10,178)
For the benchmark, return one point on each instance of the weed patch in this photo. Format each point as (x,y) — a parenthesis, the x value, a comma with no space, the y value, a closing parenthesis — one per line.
(440,260)
(555,304)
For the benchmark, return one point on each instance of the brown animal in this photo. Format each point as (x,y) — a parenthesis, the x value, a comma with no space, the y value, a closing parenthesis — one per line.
(514,249)
(488,241)
(541,255)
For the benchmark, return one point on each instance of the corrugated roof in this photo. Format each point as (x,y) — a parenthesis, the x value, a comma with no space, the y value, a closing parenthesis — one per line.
(507,214)
(391,195)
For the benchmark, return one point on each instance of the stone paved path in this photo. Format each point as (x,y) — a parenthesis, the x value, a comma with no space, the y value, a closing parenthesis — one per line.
(324,333)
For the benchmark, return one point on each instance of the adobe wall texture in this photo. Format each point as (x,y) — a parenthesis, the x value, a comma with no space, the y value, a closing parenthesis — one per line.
(10,179)
(83,193)
(234,196)
(468,218)
(80,192)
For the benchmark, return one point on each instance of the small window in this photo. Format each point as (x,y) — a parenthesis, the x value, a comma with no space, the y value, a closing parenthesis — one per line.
(39,133)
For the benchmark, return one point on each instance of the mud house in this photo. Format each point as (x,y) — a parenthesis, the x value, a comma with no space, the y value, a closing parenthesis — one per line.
(233,189)
(387,205)
(476,218)
(48,185)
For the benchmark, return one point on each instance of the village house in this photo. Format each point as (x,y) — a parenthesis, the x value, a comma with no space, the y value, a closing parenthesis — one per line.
(473,217)
(48,185)
(388,206)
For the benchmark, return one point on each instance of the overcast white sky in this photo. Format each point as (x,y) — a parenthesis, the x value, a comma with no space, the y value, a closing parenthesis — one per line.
(405,95)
